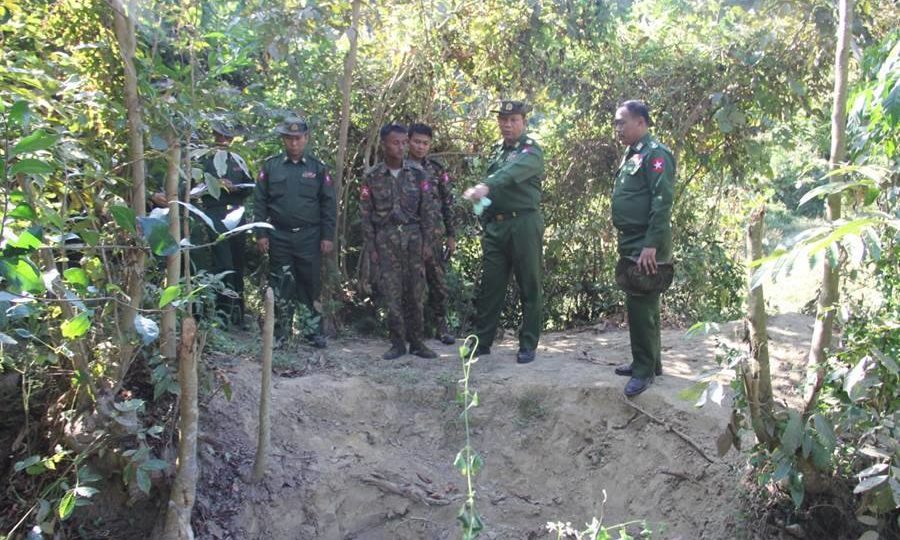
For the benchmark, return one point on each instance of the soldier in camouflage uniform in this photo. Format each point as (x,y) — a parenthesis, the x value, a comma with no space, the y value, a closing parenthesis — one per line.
(420,137)
(641,212)
(397,222)
(295,194)
(513,231)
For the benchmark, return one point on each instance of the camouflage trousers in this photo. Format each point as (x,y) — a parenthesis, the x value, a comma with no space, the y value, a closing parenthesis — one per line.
(436,301)
(401,280)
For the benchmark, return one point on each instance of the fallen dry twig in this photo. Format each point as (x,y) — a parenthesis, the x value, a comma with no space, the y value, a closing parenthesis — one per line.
(666,425)
(399,486)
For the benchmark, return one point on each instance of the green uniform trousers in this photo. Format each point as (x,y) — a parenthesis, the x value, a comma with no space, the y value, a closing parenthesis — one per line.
(512,246)
(295,276)
(643,328)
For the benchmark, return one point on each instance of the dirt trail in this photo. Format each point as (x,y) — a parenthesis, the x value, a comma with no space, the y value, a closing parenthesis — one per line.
(362,448)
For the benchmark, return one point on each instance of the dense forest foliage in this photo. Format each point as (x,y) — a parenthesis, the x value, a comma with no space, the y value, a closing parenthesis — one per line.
(103,102)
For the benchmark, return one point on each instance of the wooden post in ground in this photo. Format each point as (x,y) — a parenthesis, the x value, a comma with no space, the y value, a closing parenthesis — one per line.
(756,373)
(184,488)
(265,394)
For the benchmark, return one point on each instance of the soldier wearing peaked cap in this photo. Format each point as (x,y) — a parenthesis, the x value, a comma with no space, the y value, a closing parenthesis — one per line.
(513,231)
(641,212)
(295,193)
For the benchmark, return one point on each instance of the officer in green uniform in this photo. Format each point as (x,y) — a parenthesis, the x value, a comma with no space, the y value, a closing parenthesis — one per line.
(444,239)
(295,194)
(227,255)
(641,213)
(513,230)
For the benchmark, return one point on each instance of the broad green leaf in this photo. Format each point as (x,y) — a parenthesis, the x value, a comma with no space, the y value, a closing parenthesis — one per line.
(873,470)
(200,214)
(869,483)
(124,217)
(130,405)
(39,140)
(23,211)
(146,328)
(169,293)
(5,339)
(793,433)
(825,431)
(143,480)
(246,227)
(76,326)
(23,275)
(855,384)
(233,218)
(220,162)
(155,465)
(241,163)
(156,233)
(31,166)
(20,114)
(213,186)
(86,491)
(77,277)
(67,505)
(832,188)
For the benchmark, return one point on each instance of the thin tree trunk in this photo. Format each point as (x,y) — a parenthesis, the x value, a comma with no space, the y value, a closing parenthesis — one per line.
(265,394)
(184,488)
(123,27)
(830,292)
(334,266)
(168,337)
(757,375)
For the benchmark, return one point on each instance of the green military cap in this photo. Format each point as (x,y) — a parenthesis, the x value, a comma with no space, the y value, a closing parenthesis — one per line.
(632,280)
(293,125)
(509,106)
(222,128)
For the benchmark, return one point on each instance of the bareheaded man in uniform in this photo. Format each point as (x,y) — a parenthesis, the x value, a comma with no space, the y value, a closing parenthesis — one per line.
(295,194)
(397,215)
(513,231)
(641,212)
(444,239)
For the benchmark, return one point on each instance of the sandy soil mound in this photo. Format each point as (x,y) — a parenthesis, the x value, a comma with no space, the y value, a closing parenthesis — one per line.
(363,448)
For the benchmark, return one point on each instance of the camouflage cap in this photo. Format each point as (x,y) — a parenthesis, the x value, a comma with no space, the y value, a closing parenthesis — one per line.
(513,107)
(632,280)
(222,128)
(293,125)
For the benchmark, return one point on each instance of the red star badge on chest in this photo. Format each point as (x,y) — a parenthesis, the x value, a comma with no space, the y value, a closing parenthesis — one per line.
(658,165)
(365,193)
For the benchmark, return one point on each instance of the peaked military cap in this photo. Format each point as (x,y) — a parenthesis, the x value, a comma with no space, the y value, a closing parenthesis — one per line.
(293,125)
(632,280)
(223,129)
(513,107)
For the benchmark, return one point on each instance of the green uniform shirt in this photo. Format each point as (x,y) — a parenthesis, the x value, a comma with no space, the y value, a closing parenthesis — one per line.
(514,176)
(234,172)
(295,195)
(443,196)
(642,199)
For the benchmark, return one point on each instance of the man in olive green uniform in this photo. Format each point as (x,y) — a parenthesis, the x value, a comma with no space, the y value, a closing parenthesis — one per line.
(227,255)
(232,177)
(397,221)
(420,137)
(294,193)
(641,212)
(513,231)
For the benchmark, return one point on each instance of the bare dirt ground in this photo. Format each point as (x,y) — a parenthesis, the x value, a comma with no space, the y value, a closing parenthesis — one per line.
(362,448)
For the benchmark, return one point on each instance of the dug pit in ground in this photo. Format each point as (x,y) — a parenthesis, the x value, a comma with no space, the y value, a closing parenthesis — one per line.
(363,448)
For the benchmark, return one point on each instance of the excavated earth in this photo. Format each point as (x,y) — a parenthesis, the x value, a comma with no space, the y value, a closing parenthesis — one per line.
(363,448)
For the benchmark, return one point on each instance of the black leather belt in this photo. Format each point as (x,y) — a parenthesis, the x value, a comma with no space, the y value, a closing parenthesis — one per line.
(506,216)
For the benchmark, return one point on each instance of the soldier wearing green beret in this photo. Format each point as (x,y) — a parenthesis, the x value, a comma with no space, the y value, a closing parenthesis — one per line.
(513,231)
(641,212)
(295,194)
